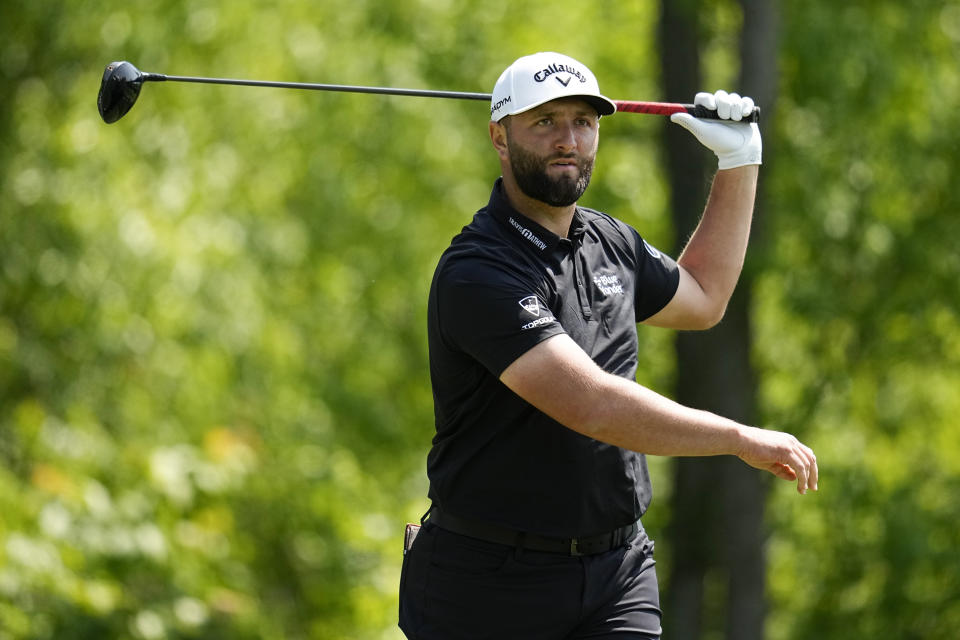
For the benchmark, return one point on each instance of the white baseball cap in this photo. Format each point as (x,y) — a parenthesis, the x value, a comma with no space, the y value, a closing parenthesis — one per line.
(541,77)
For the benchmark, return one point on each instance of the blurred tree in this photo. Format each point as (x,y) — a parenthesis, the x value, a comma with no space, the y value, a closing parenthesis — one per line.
(858,312)
(214,404)
(858,186)
(716,535)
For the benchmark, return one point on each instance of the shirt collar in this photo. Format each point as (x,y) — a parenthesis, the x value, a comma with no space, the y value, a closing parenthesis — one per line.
(520,226)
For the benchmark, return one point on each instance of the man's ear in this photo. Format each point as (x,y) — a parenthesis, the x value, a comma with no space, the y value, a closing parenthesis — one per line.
(498,136)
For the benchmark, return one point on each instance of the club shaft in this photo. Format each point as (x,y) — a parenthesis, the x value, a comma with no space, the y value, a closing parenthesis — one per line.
(423,93)
(623,106)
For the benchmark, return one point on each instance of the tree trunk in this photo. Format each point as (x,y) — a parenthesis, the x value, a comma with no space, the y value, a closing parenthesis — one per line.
(716,534)
(746,494)
(687,169)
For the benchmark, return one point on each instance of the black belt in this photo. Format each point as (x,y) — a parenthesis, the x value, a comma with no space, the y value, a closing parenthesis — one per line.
(583,546)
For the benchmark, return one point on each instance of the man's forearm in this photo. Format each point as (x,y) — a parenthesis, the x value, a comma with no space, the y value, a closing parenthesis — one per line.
(636,418)
(560,379)
(581,396)
(715,253)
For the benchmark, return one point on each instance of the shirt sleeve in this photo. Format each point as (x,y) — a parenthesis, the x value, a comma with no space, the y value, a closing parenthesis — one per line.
(492,312)
(658,278)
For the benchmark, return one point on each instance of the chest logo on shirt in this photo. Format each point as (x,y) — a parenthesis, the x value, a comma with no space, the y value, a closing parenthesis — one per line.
(609,285)
(530,304)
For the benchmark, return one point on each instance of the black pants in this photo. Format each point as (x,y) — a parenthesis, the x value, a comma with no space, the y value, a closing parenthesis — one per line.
(454,587)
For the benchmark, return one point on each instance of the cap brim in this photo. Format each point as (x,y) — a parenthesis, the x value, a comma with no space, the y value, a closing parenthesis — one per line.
(602,104)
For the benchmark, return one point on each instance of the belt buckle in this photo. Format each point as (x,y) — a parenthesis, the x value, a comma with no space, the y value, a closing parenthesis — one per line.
(574,547)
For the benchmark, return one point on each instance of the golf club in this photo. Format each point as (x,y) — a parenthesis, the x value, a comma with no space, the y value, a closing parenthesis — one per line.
(122,82)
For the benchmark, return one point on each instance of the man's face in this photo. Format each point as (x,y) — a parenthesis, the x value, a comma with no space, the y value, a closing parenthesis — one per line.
(552,150)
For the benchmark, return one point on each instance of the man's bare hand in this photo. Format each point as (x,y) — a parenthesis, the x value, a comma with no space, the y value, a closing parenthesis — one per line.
(781,454)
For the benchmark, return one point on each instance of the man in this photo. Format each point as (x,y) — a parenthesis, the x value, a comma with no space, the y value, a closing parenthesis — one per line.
(537,473)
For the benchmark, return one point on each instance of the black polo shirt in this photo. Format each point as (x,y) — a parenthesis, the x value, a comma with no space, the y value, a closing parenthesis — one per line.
(504,285)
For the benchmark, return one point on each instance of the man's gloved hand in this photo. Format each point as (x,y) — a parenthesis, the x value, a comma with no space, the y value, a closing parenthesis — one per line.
(735,143)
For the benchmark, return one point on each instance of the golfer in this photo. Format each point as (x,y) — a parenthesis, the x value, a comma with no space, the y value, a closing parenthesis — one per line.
(537,473)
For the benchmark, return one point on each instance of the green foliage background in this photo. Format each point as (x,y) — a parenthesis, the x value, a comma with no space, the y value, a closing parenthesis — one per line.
(214,402)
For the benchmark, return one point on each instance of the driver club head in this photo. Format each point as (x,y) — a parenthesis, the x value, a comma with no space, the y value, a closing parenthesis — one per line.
(119,90)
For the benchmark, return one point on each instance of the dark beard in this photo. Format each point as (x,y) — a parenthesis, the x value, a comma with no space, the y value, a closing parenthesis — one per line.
(530,172)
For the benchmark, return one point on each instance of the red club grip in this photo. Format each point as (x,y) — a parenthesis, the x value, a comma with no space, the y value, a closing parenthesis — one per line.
(669,108)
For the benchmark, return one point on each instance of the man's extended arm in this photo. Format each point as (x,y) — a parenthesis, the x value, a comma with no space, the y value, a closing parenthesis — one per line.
(711,262)
(559,378)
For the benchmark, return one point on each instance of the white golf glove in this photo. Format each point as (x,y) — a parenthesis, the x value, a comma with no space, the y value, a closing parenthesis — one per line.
(735,143)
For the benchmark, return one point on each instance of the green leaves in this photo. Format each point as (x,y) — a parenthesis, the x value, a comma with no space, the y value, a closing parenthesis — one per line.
(214,395)
(859,320)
